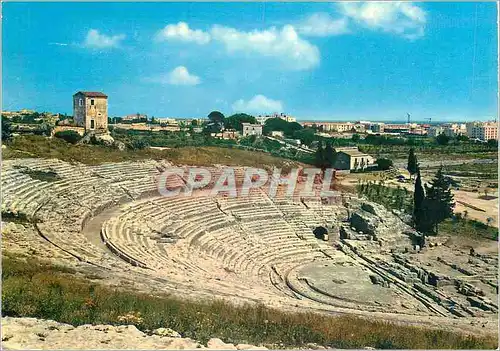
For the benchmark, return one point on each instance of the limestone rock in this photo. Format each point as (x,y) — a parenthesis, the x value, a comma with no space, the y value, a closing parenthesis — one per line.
(374,209)
(218,344)
(364,221)
(119,145)
(105,139)
(32,333)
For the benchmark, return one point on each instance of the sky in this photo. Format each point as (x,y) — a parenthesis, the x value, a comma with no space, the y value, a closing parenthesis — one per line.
(315,61)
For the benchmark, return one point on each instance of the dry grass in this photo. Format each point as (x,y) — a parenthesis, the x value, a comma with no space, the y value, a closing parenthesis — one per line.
(44,291)
(42,147)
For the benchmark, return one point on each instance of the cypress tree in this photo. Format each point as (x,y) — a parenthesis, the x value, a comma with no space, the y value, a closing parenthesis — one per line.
(328,155)
(319,160)
(418,204)
(412,163)
(439,202)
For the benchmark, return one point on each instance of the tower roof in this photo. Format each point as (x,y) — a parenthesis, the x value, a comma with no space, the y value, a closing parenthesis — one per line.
(92,94)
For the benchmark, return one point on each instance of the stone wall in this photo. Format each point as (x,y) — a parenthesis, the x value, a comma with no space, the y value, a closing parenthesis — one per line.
(79,130)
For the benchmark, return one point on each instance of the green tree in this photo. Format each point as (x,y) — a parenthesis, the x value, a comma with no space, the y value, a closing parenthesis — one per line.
(492,143)
(305,135)
(439,202)
(319,159)
(330,155)
(412,163)
(442,139)
(215,122)
(216,117)
(6,130)
(235,121)
(418,205)
(138,144)
(355,138)
(384,164)
(288,128)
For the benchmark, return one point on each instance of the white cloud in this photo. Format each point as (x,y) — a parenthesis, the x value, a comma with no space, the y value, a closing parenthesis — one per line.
(182,32)
(284,44)
(258,104)
(402,18)
(178,76)
(321,24)
(96,40)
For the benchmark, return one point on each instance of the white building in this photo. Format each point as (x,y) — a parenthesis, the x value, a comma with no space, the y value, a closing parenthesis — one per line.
(454,129)
(277,134)
(251,129)
(170,121)
(350,158)
(435,131)
(263,118)
(482,130)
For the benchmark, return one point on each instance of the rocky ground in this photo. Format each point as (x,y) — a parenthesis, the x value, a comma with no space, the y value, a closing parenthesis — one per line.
(32,333)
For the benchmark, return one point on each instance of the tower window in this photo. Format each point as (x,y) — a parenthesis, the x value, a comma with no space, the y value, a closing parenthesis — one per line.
(92,102)
(80,102)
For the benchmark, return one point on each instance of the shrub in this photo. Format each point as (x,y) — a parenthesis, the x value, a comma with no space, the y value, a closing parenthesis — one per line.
(384,164)
(138,144)
(69,136)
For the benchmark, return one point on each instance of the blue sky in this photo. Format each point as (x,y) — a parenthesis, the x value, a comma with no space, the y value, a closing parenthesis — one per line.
(328,61)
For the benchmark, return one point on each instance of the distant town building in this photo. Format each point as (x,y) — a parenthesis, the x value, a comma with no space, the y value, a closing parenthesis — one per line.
(134,117)
(360,127)
(376,127)
(170,121)
(228,134)
(399,128)
(251,129)
(482,130)
(338,127)
(261,119)
(147,127)
(454,129)
(435,131)
(90,110)
(277,134)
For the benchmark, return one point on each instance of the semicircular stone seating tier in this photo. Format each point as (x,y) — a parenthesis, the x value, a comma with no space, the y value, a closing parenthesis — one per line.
(222,243)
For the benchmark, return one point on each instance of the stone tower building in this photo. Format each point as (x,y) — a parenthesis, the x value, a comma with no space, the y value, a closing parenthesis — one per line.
(90,110)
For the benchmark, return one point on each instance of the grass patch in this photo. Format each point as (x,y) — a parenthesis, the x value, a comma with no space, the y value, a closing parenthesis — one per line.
(468,228)
(20,218)
(472,170)
(432,152)
(39,290)
(45,176)
(42,147)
